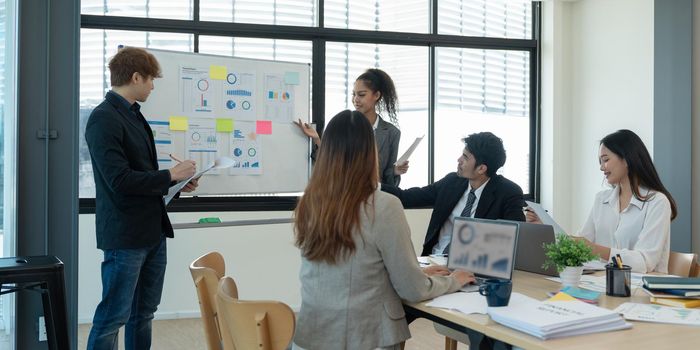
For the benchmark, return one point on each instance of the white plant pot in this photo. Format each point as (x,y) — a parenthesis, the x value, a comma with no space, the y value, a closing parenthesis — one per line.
(571,275)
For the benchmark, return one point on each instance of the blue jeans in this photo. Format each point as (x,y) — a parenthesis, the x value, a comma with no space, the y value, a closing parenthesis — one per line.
(132,283)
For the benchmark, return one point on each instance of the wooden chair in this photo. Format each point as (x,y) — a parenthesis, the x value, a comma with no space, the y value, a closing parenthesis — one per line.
(206,272)
(253,325)
(681,264)
(695,272)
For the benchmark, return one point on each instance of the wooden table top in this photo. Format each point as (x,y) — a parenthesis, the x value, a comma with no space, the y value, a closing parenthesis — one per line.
(642,335)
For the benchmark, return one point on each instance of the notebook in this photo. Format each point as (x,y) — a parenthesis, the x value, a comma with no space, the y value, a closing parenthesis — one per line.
(484,247)
(653,282)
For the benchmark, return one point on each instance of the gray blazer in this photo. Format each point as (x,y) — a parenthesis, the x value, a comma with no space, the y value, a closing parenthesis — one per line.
(387,137)
(356,304)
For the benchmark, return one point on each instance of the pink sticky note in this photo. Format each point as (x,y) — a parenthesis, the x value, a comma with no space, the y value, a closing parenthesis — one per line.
(263,127)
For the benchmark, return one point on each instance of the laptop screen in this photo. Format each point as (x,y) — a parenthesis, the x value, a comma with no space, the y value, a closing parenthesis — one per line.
(484,247)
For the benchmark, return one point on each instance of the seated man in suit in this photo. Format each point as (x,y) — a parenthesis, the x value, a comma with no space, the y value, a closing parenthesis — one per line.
(473,191)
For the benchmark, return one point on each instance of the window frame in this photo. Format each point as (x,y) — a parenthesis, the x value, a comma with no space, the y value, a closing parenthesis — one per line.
(318,36)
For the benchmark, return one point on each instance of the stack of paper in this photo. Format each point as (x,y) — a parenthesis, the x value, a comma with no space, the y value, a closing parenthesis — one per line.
(555,318)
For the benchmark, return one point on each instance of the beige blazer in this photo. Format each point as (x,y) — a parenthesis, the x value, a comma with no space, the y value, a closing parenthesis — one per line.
(356,304)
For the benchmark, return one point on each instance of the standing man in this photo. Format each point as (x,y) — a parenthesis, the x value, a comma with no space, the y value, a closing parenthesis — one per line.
(131,219)
(473,191)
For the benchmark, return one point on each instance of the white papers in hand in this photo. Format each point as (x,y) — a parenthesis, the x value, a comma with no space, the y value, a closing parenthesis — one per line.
(545,217)
(219,163)
(409,151)
(467,303)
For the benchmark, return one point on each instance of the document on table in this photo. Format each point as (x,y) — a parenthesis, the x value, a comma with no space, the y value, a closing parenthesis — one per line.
(466,303)
(174,189)
(660,314)
(555,318)
(409,151)
(545,217)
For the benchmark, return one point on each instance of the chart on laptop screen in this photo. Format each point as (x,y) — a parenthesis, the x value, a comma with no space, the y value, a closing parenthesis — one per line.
(484,247)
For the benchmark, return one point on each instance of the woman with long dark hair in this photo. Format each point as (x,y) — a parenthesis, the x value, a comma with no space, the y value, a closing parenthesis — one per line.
(633,218)
(374,94)
(358,261)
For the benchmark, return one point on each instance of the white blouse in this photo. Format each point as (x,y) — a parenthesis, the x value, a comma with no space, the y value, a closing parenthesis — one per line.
(641,233)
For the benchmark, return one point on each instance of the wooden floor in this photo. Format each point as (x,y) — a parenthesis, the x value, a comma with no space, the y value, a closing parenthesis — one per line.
(188,334)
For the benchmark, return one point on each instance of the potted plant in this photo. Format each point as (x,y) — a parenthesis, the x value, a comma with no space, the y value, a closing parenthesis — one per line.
(568,256)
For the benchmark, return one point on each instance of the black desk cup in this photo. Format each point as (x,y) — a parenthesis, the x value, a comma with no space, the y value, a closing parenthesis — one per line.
(496,291)
(617,280)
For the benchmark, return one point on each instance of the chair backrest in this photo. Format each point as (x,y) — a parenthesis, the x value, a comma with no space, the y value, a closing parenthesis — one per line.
(695,271)
(253,325)
(206,272)
(681,264)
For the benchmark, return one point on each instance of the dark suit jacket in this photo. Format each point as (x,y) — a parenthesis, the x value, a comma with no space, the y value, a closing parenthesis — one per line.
(130,212)
(387,137)
(501,199)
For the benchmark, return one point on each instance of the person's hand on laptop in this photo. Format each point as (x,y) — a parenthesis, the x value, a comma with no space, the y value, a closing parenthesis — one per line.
(436,270)
(463,277)
(531,217)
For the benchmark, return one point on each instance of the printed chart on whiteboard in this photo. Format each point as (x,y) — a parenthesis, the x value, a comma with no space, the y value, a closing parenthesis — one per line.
(279,99)
(238,95)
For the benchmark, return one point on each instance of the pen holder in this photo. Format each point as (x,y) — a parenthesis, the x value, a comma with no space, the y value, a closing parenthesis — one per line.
(617,280)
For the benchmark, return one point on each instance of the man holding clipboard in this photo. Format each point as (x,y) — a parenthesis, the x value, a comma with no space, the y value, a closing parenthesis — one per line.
(130,217)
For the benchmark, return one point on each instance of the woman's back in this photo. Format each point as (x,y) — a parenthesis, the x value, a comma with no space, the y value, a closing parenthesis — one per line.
(356,303)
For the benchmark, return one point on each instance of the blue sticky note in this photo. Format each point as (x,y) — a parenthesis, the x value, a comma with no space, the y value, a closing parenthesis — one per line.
(291,78)
(579,293)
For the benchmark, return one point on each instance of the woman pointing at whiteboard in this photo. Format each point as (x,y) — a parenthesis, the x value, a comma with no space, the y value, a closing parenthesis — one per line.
(374,93)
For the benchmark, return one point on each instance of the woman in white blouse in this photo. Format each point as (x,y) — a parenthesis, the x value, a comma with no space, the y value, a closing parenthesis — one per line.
(633,218)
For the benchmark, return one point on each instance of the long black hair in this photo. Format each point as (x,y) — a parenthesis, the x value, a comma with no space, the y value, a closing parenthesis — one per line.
(640,168)
(378,80)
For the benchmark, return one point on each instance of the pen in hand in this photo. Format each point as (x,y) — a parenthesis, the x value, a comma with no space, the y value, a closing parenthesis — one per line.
(175,158)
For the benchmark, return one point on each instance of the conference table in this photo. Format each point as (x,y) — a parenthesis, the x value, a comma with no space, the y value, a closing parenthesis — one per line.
(642,335)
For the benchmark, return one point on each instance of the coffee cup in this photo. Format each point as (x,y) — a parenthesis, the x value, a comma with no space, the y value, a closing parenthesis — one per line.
(496,291)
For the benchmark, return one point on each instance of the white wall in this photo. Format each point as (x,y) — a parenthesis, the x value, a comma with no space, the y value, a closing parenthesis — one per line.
(262,259)
(605,83)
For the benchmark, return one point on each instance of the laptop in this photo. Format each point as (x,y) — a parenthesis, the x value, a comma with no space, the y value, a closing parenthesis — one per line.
(484,247)
(529,255)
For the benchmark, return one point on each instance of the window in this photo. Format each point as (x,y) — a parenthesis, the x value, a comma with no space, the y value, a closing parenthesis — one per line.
(483,90)
(386,15)
(8,161)
(448,84)
(488,18)
(287,12)
(96,48)
(171,9)
(408,68)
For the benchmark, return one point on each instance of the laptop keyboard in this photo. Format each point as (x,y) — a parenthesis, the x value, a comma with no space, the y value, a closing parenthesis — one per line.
(473,287)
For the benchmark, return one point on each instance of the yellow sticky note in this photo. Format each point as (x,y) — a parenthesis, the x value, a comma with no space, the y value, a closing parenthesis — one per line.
(224,125)
(178,123)
(561,296)
(217,72)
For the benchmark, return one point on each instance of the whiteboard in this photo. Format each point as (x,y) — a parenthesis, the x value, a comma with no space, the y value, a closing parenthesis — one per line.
(207,106)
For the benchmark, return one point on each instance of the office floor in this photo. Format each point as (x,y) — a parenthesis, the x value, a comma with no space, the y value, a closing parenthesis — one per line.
(188,334)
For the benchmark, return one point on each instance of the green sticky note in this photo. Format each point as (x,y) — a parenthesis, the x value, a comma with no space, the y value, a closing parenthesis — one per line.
(224,125)
(217,72)
(209,221)
(178,123)
(291,78)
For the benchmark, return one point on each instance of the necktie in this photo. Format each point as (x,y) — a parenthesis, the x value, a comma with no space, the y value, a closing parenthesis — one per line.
(470,203)
(471,198)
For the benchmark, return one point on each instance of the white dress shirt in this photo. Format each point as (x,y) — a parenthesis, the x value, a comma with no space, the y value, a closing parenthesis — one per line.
(446,230)
(640,233)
